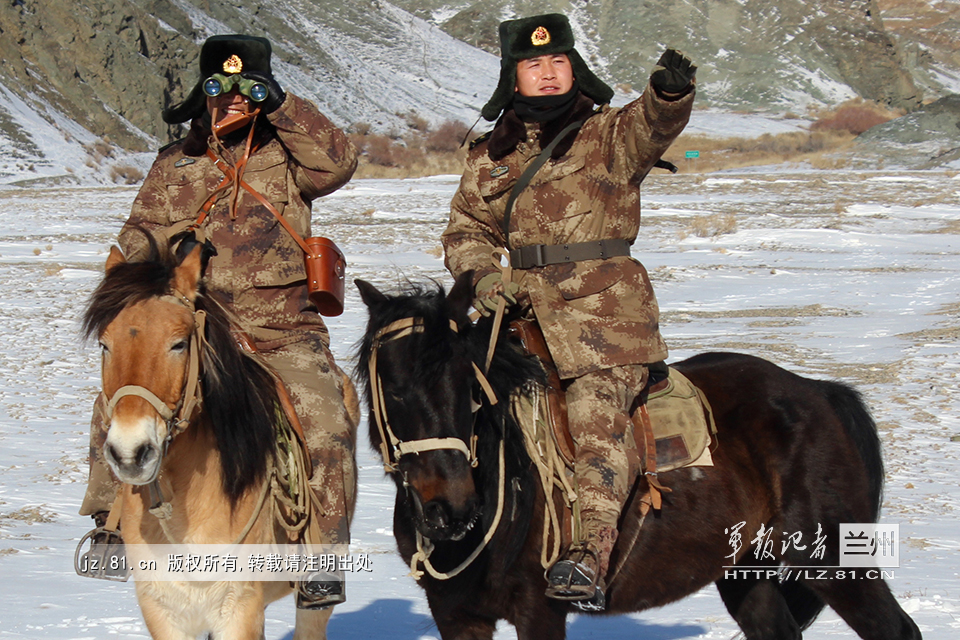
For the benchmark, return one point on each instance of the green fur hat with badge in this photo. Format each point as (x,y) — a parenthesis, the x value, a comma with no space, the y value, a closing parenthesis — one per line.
(230,60)
(539,36)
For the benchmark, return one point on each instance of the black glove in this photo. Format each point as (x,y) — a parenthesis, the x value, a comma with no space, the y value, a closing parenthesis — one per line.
(275,95)
(674,72)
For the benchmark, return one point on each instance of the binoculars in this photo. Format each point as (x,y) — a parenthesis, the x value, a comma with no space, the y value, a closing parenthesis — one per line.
(253,89)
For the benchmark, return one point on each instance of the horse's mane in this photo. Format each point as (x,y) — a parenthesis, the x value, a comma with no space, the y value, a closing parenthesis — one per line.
(510,371)
(239,394)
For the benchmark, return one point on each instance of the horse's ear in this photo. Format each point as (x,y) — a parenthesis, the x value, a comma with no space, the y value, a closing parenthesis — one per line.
(115,258)
(369,293)
(461,297)
(186,277)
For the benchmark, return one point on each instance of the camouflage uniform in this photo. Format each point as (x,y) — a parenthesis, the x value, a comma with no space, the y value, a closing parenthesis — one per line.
(259,272)
(599,317)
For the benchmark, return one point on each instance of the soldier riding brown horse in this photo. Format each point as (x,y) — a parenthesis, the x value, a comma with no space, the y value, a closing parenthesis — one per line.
(244,179)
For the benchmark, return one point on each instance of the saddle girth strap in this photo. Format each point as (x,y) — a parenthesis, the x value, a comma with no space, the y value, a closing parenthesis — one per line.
(533,342)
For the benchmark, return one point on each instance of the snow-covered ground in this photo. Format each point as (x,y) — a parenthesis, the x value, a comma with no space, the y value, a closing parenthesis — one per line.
(854,276)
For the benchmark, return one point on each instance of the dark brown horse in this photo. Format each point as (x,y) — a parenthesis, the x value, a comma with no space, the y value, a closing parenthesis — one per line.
(796,456)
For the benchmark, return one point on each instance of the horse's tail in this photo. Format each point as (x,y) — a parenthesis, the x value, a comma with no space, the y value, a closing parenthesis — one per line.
(847,403)
(852,411)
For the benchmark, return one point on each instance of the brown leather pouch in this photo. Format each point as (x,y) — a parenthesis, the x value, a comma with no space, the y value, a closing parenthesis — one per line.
(326,268)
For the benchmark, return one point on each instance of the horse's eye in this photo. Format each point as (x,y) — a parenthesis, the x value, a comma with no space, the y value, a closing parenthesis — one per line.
(104,348)
(179,347)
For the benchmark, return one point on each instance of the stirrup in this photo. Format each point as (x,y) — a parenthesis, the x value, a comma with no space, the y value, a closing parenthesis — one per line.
(321,590)
(105,559)
(572,580)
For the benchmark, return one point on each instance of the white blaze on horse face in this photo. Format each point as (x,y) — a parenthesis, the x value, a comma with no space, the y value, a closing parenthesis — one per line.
(145,346)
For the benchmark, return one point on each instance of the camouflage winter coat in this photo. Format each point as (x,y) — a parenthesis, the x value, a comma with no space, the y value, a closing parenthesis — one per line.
(258,268)
(595,314)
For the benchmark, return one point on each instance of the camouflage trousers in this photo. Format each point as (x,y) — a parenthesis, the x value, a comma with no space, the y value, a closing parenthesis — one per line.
(315,383)
(607,460)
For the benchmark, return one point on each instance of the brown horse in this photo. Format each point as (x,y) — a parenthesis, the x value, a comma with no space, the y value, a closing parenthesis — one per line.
(162,336)
(795,456)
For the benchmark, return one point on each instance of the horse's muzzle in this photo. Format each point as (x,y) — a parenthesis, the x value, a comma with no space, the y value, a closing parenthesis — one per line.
(137,465)
(438,520)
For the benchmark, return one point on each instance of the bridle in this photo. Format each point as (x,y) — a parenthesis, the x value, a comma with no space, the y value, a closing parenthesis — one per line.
(393,448)
(177,419)
(391,457)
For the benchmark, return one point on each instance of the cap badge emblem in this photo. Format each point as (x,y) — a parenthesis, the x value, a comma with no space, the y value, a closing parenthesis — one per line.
(540,37)
(233,64)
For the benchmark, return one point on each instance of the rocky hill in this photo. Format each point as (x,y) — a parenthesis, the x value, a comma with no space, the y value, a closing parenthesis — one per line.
(74,74)
(84,71)
(768,54)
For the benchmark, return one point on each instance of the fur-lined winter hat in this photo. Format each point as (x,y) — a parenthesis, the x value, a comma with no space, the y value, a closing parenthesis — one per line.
(228,55)
(539,36)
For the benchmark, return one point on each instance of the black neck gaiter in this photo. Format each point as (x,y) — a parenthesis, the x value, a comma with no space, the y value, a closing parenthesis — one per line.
(544,108)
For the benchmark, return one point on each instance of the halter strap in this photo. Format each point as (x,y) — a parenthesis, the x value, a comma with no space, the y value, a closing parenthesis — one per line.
(177,418)
(391,447)
(394,331)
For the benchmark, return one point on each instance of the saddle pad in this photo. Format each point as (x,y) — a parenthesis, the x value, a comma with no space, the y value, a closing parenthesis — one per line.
(682,424)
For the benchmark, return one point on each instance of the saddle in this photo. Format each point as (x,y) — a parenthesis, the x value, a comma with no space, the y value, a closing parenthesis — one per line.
(673,428)
(679,415)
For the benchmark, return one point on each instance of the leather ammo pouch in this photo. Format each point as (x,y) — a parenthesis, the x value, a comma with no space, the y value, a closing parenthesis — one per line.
(325,266)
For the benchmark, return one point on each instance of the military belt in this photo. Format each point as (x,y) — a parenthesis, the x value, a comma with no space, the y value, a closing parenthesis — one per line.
(539,255)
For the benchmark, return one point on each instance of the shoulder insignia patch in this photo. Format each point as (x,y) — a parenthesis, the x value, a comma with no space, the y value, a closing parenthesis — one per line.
(496,172)
(182,162)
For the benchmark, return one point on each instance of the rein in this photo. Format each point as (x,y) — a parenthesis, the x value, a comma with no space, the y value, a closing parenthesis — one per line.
(391,458)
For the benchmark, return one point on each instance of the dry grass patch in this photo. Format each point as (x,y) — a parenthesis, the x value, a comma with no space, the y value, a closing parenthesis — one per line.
(717,154)
(711,226)
(419,151)
(125,173)
(30,515)
(853,116)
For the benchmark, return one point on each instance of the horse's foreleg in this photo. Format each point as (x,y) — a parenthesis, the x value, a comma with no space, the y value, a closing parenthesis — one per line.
(759,608)
(242,614)
(160,623)
(543,619)
(462,626)
(868,607)
(312,624)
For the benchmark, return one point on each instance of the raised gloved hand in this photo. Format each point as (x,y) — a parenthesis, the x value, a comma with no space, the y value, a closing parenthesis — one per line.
(490,288)
(275,95)
(674,72)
